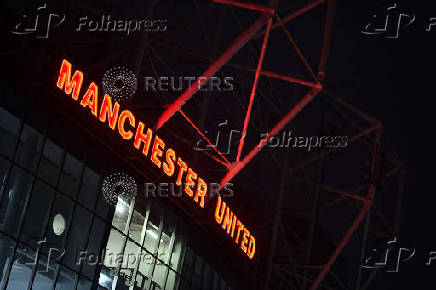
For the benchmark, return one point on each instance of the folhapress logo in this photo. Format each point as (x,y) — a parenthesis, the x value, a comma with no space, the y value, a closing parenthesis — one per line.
(389,21)
(39,24)
(43,21)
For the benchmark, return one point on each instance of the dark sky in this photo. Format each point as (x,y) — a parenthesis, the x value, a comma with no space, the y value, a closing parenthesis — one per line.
(393,80)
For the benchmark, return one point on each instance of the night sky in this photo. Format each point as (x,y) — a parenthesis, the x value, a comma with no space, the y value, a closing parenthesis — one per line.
(393,81)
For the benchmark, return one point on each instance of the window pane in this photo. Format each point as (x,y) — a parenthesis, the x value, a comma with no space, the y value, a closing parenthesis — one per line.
(198,272)
(17,194)
(103,208)
(70,177)
(121,215)
(207,278)
(216,281)
(51,163)
(9,127)
(84,284)
(29,149)
(152,231)
(131,257)
(178,248)
(94,247)
(4,167)
(58,223)
(21,271)
(45,274)
(6,253)
(113,256)
(90,188)
(77,238)
(188,264)
(137,222)
(66,280)
(164,251)
(37,213)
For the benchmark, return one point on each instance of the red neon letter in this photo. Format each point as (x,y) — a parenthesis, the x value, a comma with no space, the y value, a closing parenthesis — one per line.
(139,136)
(238,232)
(156,151)
(183,168)
(107,111)
(245,240)
(65,78)
(219,215)
(126,114)
(168,166)
(227,223)
(233,225)
(90,98)
(190,177)
(201,191)
(251,247)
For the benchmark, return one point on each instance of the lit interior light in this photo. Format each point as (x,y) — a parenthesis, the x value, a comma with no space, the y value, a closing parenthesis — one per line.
(104,280)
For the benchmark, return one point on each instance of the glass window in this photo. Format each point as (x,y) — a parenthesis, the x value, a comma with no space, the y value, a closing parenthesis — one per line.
(216,281)
(55,232)
(78,236)
(122,214)
(132,254)
(207,277)
(50,163)
(45,274)
(70,177)
(21,271)
(9,127)
(90,188)
(178,251)
(4,167)
(16,196)
(37,213)
(84,284)
(188,264)
(29,149)
(137,223)
(198,272)
(164,252)
(223,284)
(103,207)
(113,255)
(6,252)
(94,247)
(66,280)
(152,230)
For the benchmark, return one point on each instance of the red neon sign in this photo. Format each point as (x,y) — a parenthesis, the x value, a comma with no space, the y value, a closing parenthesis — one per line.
(153,147)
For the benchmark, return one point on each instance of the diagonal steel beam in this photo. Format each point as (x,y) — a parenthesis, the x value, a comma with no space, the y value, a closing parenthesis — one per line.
(276,129)
(240,41)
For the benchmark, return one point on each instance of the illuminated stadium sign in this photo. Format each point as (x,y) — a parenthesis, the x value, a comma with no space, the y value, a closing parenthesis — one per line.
(154,148)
